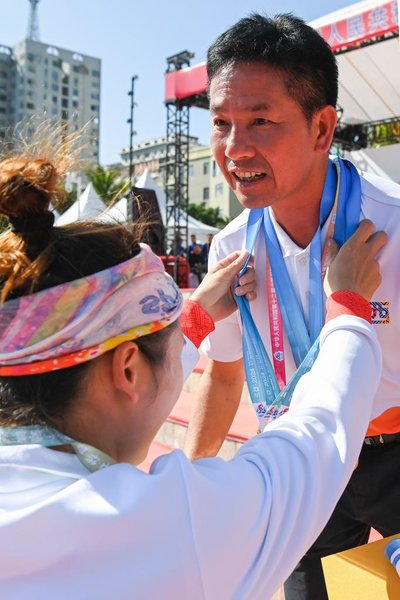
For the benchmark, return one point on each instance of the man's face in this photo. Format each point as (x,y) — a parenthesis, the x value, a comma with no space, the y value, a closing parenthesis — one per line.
(261,139)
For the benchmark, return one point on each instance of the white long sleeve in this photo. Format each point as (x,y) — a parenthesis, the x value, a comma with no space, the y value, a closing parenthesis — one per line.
(209,530)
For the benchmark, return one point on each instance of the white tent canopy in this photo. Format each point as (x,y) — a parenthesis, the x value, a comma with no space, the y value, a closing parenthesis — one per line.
(118,212)
(369,76)
(197,228)
(87,206)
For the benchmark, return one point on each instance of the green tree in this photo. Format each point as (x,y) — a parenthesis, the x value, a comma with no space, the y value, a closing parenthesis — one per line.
(208,215)
(106,183)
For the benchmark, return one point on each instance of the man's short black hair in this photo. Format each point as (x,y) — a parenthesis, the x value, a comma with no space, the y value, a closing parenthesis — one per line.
(287,43)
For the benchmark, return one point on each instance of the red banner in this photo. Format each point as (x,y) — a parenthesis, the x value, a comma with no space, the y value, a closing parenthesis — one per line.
(346,33)
(372,23)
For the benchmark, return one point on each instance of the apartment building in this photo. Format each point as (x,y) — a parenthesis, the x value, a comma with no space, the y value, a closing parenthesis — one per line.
(43,81)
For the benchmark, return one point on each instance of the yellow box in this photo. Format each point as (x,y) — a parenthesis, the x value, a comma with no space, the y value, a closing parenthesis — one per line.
(363,573)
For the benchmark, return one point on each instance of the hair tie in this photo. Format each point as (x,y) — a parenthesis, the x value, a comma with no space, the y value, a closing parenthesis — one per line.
(42,222)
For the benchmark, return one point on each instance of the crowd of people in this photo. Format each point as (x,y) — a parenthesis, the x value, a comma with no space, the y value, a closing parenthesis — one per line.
(197,256)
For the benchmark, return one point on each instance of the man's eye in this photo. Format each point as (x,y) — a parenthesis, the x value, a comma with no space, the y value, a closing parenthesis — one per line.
(261,121)
(219,123)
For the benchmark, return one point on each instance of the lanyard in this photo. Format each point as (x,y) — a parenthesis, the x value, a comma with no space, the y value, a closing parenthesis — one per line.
(91,458)
(342,190)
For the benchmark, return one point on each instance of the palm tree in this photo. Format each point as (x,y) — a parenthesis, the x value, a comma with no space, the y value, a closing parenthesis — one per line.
(107,183)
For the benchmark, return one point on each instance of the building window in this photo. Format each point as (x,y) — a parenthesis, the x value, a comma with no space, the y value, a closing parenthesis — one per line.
(65,91)
(64,103)
(54,99)
(75,92)
(219,190)
(206,168)
(191,170)
(75,103)
(52,50)
(206,193)
(95,73)
(216,169)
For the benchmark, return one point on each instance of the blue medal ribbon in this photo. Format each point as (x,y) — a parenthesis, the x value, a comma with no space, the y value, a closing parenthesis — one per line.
(91,458)
(268,401)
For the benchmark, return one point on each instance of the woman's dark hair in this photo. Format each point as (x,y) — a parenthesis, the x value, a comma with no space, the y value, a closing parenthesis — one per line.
(35,256)
(286,43)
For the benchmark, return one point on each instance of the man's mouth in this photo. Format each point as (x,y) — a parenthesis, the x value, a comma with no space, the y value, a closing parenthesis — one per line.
(249,175)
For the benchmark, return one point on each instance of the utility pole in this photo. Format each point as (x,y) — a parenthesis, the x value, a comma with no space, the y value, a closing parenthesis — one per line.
(33,25)
(131,93)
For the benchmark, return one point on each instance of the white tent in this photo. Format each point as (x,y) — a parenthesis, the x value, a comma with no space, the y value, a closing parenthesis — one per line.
(88,206)
(117,213)
(197,228)
(369,75)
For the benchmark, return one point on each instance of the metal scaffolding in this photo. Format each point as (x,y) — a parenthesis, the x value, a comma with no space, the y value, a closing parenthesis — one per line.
(177,168)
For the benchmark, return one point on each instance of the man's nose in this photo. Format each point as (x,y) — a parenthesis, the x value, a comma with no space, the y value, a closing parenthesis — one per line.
(239,144)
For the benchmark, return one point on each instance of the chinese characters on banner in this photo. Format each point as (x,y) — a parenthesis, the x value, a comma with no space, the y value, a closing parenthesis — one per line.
(358,28)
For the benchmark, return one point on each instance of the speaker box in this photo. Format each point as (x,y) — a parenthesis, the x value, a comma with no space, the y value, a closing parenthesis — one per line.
(143,208)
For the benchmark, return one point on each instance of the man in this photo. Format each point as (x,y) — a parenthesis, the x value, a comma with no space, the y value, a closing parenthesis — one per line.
(193,243)
(205,249)
(196,263)
(273,91)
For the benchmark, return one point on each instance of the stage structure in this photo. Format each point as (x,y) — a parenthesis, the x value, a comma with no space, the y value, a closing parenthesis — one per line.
(364,36)
(177,165)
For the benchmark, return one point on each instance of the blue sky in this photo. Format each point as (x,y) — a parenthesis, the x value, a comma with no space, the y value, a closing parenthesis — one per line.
(134,37)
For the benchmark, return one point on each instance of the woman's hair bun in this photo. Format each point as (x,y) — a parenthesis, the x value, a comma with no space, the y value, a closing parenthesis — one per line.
(27,186)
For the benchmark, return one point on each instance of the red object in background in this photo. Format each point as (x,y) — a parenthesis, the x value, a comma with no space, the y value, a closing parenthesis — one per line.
(183,269)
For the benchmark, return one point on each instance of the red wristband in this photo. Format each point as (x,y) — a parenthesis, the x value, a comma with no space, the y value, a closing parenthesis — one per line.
(196,323)
(344,302)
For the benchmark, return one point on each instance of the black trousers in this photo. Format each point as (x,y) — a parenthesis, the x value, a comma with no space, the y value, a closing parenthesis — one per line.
(371,499)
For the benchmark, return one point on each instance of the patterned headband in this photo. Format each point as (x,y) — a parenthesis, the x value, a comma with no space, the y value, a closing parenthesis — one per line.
(79,320)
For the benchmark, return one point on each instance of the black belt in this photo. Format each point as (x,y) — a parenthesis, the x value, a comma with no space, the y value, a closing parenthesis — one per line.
(383,438)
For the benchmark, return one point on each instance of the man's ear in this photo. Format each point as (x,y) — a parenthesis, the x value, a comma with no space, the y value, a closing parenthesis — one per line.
(125,368)
(325,121)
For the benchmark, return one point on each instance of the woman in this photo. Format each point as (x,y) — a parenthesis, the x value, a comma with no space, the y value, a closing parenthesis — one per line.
(90,367)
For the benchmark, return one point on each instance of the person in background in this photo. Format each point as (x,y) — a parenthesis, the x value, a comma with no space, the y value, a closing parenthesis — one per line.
(273,86)
(205,249)
(193,243)
(177,249)
(90,367)
(196,262)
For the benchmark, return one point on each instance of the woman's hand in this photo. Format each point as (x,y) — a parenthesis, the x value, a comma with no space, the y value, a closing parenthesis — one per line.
(215,293)
(355,267)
